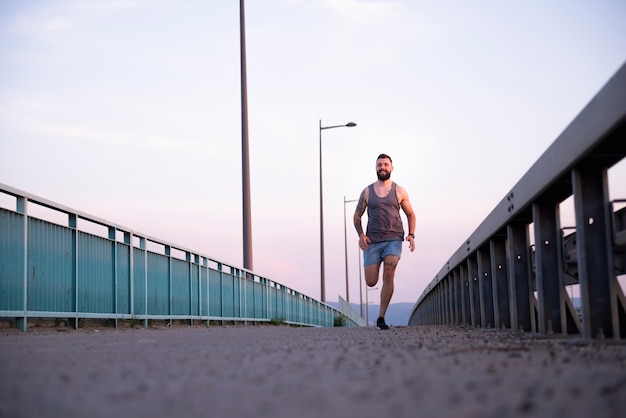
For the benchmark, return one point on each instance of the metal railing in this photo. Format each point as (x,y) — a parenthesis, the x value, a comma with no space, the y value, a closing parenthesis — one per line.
(74,265)
(350,313)
(498,279)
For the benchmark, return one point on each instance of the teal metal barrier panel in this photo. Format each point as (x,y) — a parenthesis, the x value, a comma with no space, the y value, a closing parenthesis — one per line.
(228,296)
(281,303)
(292,309)
(203,292)
(181,287)
(247,299)
(12,268)
(194,289)
(215,293)
(260,300)
(158,284)
(96,274)
(55,269)
(122,278)
(287,313)
(139,282)
(272,302)
(51,269)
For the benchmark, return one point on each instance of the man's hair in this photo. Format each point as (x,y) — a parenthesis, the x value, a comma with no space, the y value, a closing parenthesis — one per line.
(384,156)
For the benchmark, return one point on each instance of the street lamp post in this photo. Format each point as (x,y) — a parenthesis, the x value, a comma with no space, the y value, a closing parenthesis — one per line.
(345,243)
(322,278)
(367,306)
(245,153)
(360,283)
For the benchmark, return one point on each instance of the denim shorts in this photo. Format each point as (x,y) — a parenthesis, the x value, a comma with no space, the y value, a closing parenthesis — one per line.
(375,253)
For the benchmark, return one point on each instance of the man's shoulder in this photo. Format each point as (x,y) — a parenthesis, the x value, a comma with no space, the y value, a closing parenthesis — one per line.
(401,192)
(398,187)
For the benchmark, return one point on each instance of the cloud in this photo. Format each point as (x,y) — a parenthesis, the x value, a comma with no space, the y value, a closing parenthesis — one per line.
(42,24)
(39,22)
(364,12)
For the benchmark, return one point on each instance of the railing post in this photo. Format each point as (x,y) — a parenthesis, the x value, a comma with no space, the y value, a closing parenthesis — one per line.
(474,292)
(143,247)
(168,254)
(522,314)
(448,284)
(486,288)
(465,306)
(73,224)
(595,252)
(500,284)
(128,238)
(113,238)
(548,271)
(22,207)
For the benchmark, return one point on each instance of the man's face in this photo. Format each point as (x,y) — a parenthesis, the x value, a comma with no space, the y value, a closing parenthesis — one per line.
(383,169)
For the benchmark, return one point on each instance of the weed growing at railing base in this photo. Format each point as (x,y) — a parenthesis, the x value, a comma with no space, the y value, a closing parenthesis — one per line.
(134,321)
(340,320)
(277,321)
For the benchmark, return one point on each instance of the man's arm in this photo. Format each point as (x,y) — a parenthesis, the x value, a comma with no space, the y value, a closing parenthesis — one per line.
(405,204)
(359,211)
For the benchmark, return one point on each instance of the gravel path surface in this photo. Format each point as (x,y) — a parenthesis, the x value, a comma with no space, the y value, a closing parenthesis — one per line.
(279,371)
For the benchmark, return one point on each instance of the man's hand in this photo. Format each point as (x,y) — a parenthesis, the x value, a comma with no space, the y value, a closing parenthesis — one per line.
(364,241)
(411,242)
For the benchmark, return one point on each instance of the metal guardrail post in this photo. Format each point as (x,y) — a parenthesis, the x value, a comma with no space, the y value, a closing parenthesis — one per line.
(594,235)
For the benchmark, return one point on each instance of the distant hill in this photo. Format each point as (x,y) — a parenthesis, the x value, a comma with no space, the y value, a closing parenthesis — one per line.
(397,313)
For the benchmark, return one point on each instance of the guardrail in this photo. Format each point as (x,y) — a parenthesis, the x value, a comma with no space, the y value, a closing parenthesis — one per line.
(73,265)
(497,279)
(350,313)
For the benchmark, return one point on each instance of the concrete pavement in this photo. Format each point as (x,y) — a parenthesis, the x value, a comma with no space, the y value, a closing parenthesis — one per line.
(279,371)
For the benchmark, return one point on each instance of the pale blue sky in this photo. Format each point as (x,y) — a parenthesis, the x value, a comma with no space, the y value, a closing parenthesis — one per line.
(130,111)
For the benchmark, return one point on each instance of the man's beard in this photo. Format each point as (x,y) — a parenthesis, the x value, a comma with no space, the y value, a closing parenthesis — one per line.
(383,177)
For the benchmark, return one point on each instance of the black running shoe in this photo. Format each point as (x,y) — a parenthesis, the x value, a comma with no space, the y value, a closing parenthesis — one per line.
(380,323)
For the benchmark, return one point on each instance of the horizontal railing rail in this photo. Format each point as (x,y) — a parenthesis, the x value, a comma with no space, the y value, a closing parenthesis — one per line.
(57,262)
(498,279)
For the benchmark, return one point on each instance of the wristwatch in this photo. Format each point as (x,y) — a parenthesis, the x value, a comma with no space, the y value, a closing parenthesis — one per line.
(411,235)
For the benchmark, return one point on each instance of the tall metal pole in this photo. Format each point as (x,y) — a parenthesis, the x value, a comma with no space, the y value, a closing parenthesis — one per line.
(345,247)
(367,305)
(360,285)
(345,244)
(245,158)
(367,308)
(322,277)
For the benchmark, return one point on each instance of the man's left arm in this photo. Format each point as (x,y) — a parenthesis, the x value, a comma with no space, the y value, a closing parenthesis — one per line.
(405,204)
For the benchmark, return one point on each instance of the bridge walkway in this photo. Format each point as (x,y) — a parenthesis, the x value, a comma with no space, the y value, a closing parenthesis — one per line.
(280,371)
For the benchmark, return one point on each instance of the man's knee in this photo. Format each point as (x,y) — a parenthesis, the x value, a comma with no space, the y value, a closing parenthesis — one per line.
(391,261)
(371,281)
(371,274)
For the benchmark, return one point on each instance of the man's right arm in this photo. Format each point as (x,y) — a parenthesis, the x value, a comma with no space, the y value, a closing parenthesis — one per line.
(359,211)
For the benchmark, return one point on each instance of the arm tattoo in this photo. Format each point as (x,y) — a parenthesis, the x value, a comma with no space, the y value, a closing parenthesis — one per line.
(360,209)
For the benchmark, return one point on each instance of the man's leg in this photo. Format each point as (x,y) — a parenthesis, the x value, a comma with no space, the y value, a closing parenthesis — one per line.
(371,274)
(389,271)
(371,278)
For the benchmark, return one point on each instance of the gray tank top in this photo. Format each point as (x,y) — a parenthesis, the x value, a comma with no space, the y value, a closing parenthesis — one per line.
(383,216)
